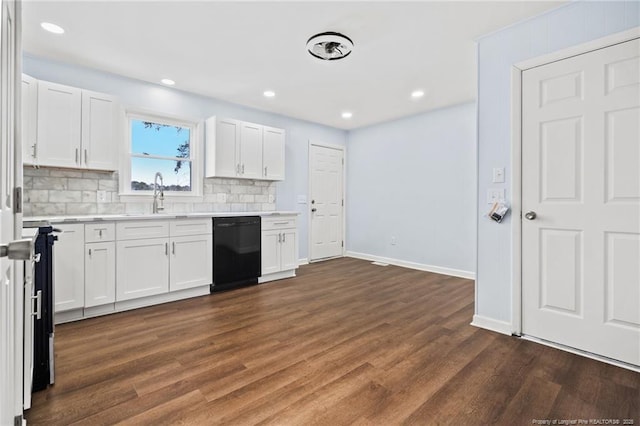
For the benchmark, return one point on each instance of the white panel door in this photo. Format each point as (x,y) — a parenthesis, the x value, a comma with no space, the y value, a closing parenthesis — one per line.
(29,119)
(142,268)
(273,153)
(191,262)
(100,131)
(326,208)
(251,151)
(68,267)
(10,281)
(581,177)
(100,274)
(59,111)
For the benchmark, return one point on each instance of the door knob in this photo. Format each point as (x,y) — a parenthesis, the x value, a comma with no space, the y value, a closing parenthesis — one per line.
(530,215)
(313,209)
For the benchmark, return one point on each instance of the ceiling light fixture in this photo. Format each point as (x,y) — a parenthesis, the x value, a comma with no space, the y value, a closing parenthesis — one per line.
(269,93)
(347,115)
(52,28)
(329,46)
(167,81)
(417,94)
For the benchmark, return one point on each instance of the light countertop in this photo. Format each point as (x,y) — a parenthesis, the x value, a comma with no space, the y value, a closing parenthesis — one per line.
(142,216)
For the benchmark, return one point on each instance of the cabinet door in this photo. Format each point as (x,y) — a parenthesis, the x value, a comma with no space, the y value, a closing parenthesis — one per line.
(251,151)
(191,262)
(273,153)
(100,131)
(289,250)
(29,119)
(68,272)
(226,148)
(100,274)
(270,251)
(142,268)
(59,109)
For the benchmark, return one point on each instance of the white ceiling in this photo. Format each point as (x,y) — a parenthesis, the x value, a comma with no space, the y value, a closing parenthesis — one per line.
(236,50)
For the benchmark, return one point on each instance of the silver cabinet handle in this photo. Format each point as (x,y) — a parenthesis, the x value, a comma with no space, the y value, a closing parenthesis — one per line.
(166,249)
(35,150)
(531,215)
(173,247)
(100,233)
(279,238)
(238,169)
(89,252)
(242,168)
(265,170)
(284,237)
(280,223)
(86,158)
(76,155)
(38,299)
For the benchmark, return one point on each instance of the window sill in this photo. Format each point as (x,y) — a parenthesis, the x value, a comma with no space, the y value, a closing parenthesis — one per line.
(172,198)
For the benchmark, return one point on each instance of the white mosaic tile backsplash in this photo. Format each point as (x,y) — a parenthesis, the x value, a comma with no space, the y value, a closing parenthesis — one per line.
(53,191)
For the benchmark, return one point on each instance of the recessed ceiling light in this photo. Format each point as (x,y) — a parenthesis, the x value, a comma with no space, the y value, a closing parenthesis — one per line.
(417,94)
(52,28)
(269,93)
(167,81)
(347,114)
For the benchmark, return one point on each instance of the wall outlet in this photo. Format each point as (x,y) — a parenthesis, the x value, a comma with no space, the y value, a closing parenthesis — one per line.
(101,196)
(494,195)
(393,241)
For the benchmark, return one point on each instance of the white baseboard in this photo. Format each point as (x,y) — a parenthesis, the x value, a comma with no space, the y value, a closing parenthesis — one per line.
(492,324)
(303,261)
(413,265)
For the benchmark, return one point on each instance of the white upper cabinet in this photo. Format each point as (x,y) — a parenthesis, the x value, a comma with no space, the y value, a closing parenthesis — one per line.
(29,119)
(75,128)
(251,151)
(59,125)
(99,131)
(239,149)
(273,153)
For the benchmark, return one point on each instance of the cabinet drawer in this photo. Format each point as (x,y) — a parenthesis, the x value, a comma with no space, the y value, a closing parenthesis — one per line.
(182,227)
(278,223)
(98,232)
(142,229)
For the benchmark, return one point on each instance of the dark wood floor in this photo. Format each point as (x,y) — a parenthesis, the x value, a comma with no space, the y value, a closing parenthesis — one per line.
(346,342)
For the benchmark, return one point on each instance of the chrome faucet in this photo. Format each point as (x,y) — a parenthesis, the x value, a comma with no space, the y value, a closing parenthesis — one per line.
(158,207)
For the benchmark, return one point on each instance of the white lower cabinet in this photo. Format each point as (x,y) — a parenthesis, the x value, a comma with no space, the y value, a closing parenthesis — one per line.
(143,268)
(279,247)
(68,271)
(191,261)
(100,274)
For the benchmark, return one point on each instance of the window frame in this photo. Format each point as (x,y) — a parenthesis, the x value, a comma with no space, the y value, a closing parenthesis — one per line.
(195,148)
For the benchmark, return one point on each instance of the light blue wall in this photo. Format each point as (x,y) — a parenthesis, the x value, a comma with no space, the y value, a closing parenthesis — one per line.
(414,179)
(153,97)
(569,25)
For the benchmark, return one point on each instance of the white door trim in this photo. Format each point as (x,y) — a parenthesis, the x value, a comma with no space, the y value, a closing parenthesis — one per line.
(344,193)
(516,154)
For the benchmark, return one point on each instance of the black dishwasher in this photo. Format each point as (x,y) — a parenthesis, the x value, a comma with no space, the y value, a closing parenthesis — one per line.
(236,252)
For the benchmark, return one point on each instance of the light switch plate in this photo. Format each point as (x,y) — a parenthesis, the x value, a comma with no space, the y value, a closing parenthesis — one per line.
(498,175)
(495,194)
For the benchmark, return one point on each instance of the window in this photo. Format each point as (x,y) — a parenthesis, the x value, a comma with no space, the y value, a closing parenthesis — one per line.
(164,145)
